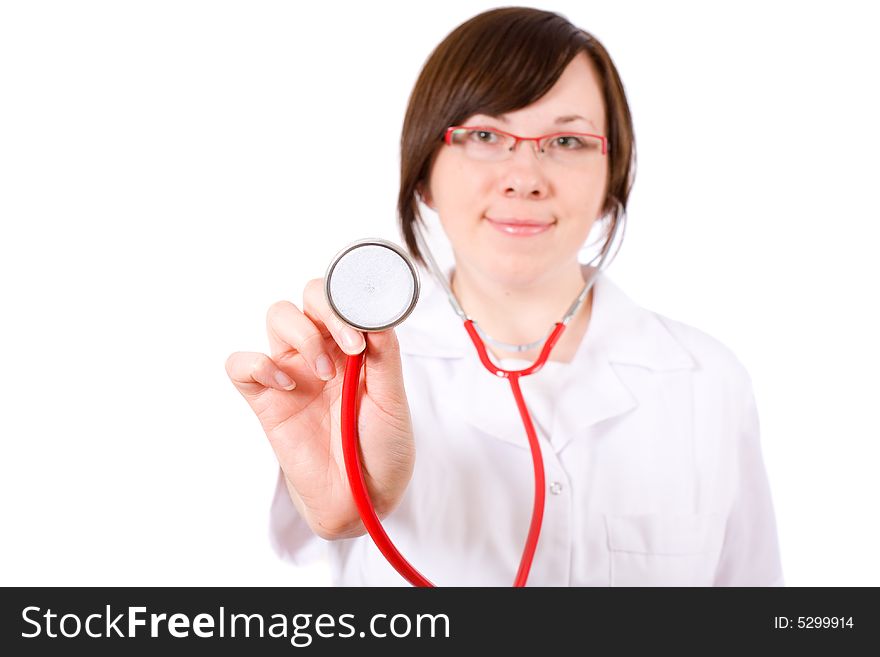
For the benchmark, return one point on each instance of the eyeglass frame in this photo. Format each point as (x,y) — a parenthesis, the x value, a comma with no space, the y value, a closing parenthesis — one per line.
(447,137)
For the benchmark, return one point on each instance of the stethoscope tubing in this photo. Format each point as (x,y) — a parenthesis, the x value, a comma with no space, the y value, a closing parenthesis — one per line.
(350,442)
(356,481)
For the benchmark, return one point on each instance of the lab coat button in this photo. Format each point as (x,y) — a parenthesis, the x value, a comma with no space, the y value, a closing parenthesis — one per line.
(556,488)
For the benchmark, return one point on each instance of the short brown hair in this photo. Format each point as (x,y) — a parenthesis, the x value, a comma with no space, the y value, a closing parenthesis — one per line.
(497,62)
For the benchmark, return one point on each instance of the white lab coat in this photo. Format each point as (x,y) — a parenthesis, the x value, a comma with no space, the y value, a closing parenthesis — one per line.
(651,450)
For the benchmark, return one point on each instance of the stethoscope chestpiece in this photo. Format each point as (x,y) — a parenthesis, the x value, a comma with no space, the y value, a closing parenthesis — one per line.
(372,285)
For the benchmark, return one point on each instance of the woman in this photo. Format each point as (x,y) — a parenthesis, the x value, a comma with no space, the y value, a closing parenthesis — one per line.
(518,135)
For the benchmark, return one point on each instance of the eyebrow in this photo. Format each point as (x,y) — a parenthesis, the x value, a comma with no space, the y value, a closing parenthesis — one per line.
(568,118)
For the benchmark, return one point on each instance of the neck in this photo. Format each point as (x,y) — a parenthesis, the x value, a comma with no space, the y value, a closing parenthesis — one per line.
(523,313)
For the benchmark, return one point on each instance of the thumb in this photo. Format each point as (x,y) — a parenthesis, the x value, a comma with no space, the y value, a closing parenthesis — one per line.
(383,373)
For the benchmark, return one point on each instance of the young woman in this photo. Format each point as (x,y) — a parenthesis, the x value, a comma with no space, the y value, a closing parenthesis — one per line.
(518,135)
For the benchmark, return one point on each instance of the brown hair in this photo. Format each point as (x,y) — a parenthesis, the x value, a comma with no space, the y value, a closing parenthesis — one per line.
(497,62)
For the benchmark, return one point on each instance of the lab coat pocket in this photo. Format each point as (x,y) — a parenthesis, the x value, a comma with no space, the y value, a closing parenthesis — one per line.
(664,549)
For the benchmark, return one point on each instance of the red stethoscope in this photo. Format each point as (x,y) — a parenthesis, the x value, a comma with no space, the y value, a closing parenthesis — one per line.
(373,285)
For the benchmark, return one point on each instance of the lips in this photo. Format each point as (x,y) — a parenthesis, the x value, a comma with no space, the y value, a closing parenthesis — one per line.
(519,226)
(515,221)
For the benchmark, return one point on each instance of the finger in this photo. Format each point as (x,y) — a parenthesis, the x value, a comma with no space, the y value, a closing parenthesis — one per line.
(290,331)
(315,305)
(253,372)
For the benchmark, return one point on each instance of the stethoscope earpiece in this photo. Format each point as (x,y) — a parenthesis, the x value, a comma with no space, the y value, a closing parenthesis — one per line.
(372,285)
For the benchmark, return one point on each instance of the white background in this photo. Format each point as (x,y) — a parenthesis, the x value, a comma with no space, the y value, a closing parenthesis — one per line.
(170,169)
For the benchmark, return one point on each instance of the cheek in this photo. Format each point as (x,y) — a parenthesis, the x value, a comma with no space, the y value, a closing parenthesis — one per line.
(581,200)
(460,192)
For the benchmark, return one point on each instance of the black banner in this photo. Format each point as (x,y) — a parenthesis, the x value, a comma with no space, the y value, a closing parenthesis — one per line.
(112,621)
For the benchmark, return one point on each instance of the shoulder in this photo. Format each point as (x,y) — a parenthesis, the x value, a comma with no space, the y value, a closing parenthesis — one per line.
(706,349)
(634,334)
(714,361)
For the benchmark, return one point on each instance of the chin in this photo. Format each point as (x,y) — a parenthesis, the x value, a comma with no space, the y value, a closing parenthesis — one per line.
(516,268)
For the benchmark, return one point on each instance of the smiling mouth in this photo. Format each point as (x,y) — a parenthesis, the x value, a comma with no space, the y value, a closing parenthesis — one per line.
(513,221)
(520,227)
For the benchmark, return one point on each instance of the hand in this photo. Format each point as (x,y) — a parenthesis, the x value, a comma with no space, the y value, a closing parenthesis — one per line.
(296,394)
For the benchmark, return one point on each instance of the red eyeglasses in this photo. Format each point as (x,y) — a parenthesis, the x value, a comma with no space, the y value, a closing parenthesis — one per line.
(490,144)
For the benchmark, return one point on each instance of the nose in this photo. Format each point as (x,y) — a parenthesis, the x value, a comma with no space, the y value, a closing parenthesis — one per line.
(523,176)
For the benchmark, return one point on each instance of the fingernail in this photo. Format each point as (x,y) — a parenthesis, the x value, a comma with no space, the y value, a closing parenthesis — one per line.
(351,340)
(324,367)
(284,381)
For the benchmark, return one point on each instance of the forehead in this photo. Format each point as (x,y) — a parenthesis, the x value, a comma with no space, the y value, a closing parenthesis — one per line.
(576,93)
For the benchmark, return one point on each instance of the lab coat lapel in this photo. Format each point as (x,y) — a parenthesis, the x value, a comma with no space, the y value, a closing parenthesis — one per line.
(487,403)
(620,333)
(481,399)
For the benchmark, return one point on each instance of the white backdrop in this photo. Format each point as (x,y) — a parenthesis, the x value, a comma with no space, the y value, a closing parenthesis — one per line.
(170,169)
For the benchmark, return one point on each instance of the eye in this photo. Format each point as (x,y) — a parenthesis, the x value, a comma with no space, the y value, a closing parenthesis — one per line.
(483,136)
(569,142)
